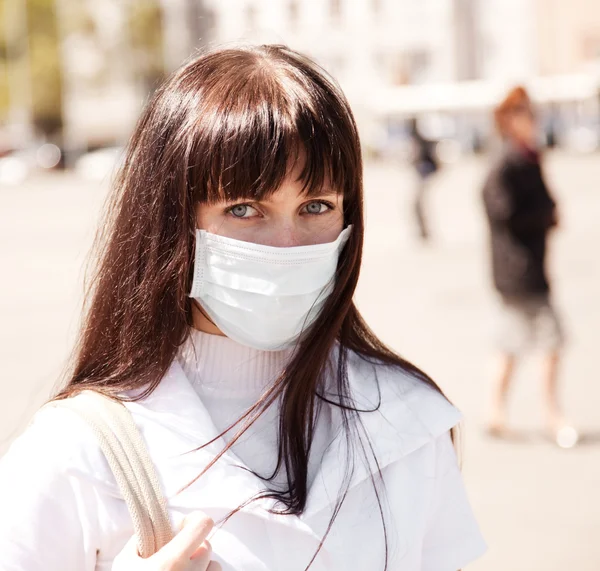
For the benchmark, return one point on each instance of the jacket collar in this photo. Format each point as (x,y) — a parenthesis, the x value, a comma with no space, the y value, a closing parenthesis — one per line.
(408,415)
(399,414)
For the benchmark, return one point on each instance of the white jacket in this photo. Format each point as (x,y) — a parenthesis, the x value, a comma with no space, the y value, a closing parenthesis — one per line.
(60,508)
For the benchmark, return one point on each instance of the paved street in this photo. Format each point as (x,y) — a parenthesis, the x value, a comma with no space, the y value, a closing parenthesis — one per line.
(539,506)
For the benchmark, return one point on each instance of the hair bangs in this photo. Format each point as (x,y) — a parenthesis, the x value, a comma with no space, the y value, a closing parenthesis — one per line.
(261,122)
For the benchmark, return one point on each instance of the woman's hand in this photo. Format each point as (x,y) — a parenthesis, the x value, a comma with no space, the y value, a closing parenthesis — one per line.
(187,551)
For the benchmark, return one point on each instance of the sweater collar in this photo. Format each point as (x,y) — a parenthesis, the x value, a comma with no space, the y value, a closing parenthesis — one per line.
(219,366)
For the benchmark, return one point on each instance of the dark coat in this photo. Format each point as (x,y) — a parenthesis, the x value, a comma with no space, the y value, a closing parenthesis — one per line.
(520,212)
(423,155)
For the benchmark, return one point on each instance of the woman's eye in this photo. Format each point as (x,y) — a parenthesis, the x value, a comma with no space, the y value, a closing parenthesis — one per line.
(242,211)
(317,207)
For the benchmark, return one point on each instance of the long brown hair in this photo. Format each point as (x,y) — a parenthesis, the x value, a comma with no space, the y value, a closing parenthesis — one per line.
(228,124)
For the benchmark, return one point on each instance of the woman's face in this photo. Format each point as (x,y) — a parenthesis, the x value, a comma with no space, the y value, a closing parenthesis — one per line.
(286,218)
(522,128)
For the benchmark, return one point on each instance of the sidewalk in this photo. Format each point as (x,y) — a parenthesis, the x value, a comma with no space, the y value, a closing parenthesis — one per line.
(539,507)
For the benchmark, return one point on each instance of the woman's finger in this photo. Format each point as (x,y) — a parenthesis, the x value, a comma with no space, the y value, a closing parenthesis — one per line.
(195,529)
(202,555)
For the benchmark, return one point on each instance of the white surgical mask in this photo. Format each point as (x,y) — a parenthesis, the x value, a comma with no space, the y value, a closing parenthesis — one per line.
(263,296)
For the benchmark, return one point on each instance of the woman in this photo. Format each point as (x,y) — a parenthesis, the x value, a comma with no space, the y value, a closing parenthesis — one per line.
(222,314)
(521,214)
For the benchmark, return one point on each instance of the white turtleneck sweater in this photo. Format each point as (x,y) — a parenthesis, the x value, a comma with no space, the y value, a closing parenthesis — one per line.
(229,378)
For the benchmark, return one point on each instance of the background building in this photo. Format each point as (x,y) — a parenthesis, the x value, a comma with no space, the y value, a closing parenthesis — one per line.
(78,71)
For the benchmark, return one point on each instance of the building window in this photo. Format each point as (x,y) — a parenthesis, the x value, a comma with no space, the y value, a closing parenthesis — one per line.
(418,63)
(250,17)
(335,10)
(294,13)
(591,48)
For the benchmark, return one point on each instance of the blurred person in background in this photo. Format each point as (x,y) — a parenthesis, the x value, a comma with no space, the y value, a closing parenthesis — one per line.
(424,160)
(521,213)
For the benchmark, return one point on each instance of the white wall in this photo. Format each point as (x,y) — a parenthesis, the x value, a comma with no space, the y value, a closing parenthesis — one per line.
(508,38)
(363,47)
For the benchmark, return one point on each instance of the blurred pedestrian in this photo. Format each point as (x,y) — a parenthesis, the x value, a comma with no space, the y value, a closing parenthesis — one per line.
(424,160)
(521,213)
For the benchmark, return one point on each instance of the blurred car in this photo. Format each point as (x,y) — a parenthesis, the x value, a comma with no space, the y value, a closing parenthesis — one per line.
(16,165)
(583,138)
(99,165)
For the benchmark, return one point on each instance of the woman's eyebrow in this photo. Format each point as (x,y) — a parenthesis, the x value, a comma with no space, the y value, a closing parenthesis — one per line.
(325,191)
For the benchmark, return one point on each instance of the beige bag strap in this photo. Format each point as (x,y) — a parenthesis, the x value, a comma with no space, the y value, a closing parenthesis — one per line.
(125,450)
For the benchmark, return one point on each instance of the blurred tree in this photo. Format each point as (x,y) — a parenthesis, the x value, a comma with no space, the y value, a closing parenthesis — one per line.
(31,63)
(45,66)
(146,42)
(4,72)
(35,61)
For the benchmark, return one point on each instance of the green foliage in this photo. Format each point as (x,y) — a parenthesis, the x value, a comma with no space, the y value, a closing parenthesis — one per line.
(34,62)
(31,62)
(145,36)
(44,53)
(4,71)
(4,101)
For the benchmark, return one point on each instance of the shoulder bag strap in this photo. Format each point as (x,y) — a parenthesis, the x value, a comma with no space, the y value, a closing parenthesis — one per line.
(125,450)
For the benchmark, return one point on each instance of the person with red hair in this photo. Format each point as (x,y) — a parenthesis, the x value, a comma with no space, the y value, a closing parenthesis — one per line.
(521,213)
